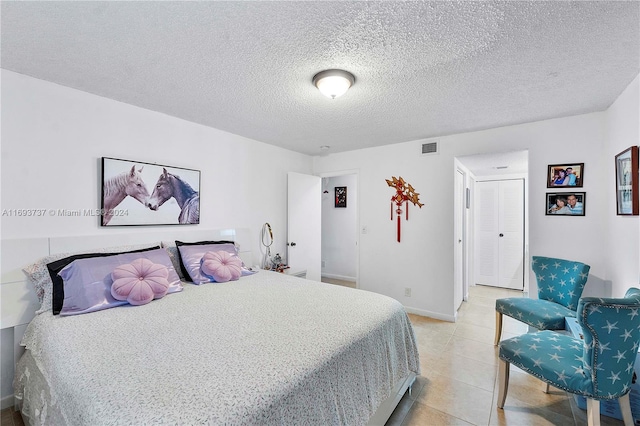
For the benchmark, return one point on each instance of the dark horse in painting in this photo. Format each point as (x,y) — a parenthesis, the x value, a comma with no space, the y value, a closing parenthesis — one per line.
(119,187)
(170,185)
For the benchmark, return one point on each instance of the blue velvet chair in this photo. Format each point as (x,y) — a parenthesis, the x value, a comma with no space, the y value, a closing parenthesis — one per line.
(560,285)
(598,368)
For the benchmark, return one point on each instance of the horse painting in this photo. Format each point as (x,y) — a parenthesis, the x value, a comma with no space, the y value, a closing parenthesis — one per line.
(170,185)
(119,187)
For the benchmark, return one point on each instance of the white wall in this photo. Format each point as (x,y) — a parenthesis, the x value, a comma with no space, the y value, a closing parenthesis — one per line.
(622,242)
(53,138)
(424,258)
(339,232)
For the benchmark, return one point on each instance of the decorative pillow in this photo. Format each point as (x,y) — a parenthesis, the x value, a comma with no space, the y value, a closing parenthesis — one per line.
(57,266)
(87,282)
(221,266)
(183,268)
(139,282)
(38,273)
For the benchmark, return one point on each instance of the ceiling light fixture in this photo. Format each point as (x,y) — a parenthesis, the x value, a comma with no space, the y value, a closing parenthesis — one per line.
(333,83)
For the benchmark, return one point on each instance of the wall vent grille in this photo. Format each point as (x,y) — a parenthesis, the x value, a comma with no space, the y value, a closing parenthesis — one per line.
(429,148)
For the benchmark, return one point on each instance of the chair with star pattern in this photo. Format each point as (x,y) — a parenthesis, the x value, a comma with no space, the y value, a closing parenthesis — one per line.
(600,367)
(560,284)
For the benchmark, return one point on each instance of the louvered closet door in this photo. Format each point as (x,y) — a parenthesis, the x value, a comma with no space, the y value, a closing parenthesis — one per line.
(486,225)
(499,221)
(511,244)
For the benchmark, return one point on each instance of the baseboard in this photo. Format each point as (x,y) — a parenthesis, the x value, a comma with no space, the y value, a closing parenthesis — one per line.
(6,402)
(339,277)
(430,314)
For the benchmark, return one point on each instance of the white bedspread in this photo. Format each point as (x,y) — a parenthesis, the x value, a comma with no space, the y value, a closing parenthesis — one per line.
(268,349)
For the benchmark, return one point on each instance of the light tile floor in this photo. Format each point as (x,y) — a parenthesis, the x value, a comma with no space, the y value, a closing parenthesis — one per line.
(344,283)
(8,417)
(458,384)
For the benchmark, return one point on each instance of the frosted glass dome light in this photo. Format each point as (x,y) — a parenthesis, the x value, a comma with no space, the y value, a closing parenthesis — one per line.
(333,83)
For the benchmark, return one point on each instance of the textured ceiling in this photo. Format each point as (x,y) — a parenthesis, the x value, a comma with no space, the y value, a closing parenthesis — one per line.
(423,69)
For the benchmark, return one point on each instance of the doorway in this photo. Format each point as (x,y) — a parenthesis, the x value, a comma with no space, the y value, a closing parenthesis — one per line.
(339,247)
(497,166)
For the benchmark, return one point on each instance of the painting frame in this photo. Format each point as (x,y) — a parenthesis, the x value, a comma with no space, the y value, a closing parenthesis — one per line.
(575,179)
(626,170)
(560,203)
(154,195)
(340,196)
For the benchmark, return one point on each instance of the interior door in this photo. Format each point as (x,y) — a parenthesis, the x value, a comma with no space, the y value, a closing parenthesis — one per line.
(499,252)
(304,223)
(459,207)
(511,245)
(486,231)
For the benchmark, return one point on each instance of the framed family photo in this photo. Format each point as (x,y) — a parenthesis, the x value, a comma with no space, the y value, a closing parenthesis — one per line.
(565,203)
(139,193)
(565,175)
(627,182)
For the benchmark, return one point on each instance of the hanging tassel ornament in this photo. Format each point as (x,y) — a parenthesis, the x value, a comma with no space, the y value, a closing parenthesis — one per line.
(404,194)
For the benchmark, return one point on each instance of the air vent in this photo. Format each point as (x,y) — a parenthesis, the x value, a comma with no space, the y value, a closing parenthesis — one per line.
(430,148)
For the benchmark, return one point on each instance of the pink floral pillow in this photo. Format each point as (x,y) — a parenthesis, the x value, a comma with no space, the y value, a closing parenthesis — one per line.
(140,281)
(221,266)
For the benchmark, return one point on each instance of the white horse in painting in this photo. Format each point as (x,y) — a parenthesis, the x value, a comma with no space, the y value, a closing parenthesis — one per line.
(170,185)
(119,187)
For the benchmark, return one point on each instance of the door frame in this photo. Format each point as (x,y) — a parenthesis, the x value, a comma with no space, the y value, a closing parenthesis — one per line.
(355,172)
(471,179)
(463,291)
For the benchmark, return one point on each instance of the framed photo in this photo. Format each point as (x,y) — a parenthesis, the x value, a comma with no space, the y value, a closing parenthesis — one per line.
(627,182)
(565,203)
(565,175)
(341,196)
(138,193)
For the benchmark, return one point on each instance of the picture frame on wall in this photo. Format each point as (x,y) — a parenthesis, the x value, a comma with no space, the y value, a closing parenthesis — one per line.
(565,203)
(627,182)
(136,193)
(565,175)
(341,196)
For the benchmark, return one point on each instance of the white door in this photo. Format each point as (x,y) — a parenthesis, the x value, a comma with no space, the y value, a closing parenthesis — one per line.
(486,232)
(499,251)
(304,227)
(511,236)
(459,207)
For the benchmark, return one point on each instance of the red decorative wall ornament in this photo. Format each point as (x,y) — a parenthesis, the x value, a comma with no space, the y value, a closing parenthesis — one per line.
(404,194)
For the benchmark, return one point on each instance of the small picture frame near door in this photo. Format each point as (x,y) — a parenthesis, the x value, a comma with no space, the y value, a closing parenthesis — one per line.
(341,196)
(627,182)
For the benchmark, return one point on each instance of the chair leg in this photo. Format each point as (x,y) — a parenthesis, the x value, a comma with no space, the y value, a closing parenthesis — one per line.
(503,380)
(496,340)
(546,387)
(593,412)
(625,407)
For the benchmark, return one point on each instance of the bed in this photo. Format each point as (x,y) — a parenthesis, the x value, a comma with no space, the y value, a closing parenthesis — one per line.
(266,349)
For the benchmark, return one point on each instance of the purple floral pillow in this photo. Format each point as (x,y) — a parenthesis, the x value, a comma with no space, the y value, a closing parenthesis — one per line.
(192,255)
(139,282)
(221,266)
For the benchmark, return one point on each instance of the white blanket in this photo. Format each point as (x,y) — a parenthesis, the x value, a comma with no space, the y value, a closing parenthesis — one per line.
(267,349)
